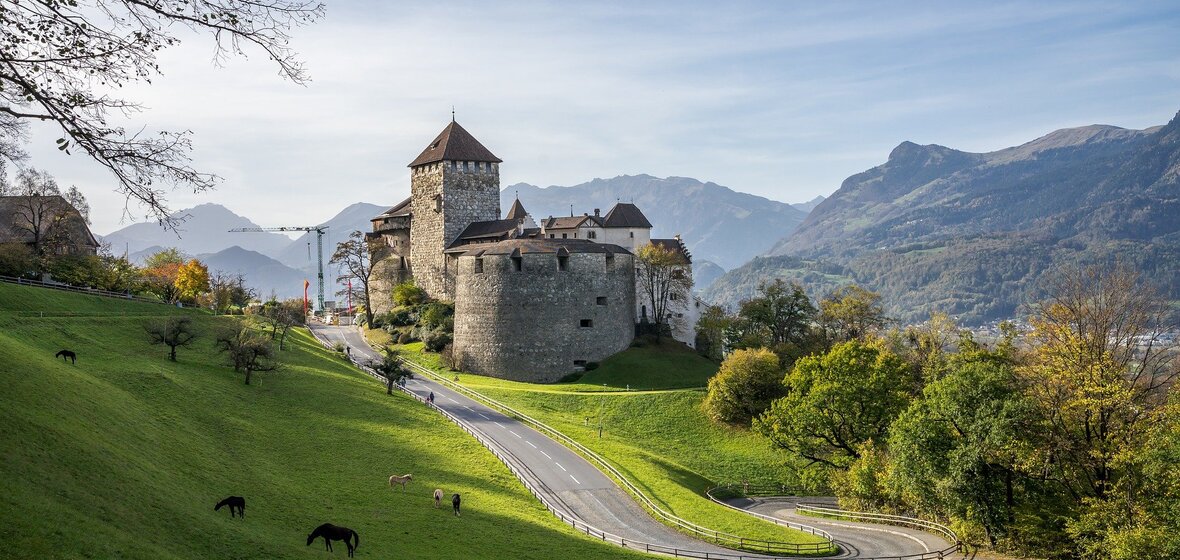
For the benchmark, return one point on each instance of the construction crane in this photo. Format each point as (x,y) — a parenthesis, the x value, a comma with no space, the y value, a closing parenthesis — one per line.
(319,250)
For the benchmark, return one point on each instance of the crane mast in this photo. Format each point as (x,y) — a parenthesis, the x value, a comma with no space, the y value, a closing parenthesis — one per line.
(319,246)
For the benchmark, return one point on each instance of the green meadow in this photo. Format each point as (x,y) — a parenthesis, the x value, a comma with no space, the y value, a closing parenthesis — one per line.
(124,454)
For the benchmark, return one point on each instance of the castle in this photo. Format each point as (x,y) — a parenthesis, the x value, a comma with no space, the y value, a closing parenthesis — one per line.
(534,300)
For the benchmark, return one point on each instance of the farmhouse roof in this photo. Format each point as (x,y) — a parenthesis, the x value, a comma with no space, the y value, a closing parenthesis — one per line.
(11,222)
(400,209)
(570,222)
(626,215)
(454,143)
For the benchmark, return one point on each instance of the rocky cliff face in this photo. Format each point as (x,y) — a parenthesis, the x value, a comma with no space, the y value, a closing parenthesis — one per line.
(973,234)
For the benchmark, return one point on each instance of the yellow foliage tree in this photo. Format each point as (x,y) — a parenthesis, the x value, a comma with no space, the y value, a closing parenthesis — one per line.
(192,280)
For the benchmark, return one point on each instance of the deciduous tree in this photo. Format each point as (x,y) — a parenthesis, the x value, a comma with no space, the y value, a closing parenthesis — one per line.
(850,313)
(173,332)
(192,280)
(836,402)
(745,385)
(353,259)
(662,278)
(246,350)
(60,61)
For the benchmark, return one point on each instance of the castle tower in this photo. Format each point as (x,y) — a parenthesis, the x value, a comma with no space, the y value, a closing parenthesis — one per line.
(454,182)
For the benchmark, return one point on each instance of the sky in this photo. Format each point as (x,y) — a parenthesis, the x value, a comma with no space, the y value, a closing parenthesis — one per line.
(779,99)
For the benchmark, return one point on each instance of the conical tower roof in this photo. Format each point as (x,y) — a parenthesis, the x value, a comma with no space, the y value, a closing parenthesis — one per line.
(517,212)
(454,143)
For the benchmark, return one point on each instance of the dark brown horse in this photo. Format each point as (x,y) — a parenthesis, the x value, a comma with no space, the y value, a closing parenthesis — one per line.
(66,354)
(331,533)
(235,503)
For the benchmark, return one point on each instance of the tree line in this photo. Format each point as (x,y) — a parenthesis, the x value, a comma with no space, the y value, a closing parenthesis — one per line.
(1062,441)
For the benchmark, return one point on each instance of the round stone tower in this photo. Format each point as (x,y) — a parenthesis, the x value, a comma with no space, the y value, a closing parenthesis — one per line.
(540,309)
(455,181)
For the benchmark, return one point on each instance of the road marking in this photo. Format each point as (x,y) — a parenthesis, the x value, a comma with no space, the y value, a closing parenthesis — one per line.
(546,454)
(469,408)
(559,465)
(501,425)
(516,434)
(482,416)
(452,400)
(530,444)
(575,480)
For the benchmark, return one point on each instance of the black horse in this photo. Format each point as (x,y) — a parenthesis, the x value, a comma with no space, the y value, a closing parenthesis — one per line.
(237,503)
(455,502)
(331,533)
(63,354)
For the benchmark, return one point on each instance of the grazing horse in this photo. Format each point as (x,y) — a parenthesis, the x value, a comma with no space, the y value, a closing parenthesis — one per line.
(437,497)
(455,502)
(235,503)
(331,533)
(64,354)
(403,480)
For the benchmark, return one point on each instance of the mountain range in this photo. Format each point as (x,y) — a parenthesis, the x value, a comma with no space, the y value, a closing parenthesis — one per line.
(976,234)
(720,225)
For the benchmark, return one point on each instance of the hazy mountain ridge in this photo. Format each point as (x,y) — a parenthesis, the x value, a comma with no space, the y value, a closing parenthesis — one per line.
(972,234)
(204,229)
(719,224)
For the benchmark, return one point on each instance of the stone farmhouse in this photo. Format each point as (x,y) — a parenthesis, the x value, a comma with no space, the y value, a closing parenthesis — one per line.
(535,299)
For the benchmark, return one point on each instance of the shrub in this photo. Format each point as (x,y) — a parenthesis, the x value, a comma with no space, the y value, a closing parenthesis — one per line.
(591,366)
(436,340)
(405,337)
(408,293)
(746,384)
(436,315)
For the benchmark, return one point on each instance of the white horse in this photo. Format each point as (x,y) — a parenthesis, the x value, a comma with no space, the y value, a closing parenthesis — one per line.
(403,480)
(437,497)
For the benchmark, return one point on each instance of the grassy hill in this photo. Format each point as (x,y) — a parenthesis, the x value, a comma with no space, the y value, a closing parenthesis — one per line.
(655,433)
(124,454)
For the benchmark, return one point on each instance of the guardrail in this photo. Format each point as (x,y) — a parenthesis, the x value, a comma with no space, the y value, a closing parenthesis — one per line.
(534,484)
(78,289)
(825,510)
(722,538)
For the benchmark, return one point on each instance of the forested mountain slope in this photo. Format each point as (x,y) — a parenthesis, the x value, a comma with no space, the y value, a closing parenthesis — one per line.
(973,234)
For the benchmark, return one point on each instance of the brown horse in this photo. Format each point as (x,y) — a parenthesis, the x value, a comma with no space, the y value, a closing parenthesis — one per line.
(235,503)
(403,480)
(331,533)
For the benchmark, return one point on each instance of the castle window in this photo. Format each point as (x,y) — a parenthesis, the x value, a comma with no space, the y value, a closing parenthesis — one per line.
(517,263)
(565,236)
(438,203)
(479,267)
(632,235)
(551,236)
(591,235)
(600,300)
(674,296)
(586,323)
(563,263)
(610,261)
(465,166)
(580,363)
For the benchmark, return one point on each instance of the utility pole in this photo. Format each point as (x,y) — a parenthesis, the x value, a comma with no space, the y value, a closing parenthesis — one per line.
(319,250)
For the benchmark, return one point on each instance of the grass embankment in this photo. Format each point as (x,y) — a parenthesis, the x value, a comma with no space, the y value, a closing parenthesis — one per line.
(657,436)
(124,454)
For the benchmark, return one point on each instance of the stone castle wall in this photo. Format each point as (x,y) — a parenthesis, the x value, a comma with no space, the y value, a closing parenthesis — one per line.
(447,197)
(527,325)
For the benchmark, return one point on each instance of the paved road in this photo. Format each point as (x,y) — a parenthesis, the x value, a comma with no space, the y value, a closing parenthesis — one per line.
(588,494)
(572,481)
(857,540)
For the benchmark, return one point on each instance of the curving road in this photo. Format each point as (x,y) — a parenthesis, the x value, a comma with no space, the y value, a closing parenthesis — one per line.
(586,493)
(856,540)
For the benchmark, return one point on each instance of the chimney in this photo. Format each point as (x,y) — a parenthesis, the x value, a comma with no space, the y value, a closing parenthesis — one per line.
(595,212)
